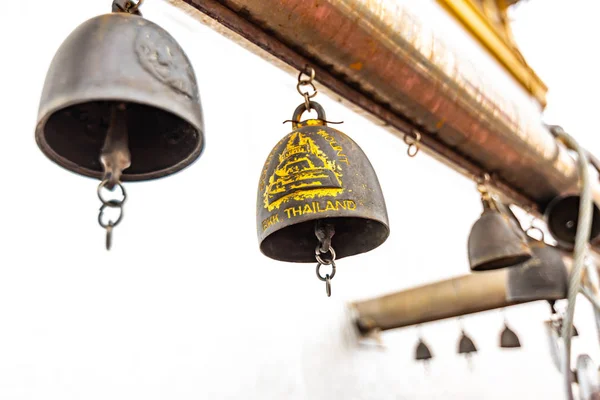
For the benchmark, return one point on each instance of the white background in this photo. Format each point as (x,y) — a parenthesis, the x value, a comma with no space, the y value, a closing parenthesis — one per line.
(185,306)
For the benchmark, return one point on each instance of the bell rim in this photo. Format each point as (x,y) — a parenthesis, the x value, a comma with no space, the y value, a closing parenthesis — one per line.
(69,165)
(501,263)
(339,255)
(563,242)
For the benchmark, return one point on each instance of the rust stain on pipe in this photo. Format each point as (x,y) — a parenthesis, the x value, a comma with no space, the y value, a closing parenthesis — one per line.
(379,57)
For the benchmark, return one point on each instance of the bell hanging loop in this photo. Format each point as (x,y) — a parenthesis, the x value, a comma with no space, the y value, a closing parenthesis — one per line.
(302,108)
(127,6)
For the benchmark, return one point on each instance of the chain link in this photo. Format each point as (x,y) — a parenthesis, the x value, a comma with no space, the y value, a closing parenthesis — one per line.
(413,143)
(325,261)
(112,204)
(310,73)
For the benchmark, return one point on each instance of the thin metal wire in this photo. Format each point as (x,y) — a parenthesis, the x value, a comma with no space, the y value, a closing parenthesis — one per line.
(584,225)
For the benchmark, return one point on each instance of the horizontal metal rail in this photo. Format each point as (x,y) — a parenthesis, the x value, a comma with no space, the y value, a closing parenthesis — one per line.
(375,55)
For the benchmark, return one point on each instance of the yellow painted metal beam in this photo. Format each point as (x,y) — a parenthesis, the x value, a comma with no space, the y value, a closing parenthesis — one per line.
(498,44)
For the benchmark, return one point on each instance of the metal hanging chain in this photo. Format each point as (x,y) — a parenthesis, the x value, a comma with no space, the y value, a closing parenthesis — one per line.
(114,204)
(484,191)
(309,72)
(324,232)
(413,143)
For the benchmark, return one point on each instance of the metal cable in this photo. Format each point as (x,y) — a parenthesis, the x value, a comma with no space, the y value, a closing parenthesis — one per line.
(584,226)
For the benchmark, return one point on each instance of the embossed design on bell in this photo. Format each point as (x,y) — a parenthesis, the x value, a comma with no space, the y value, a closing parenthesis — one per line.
(160,55)
(304,172)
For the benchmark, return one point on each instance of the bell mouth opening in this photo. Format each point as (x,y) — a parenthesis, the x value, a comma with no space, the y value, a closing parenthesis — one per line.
(504,262)
(297,243)
(160,143)
(563,219)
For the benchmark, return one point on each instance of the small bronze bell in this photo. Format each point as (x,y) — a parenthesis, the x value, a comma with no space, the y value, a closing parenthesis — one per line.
(544,276)
(466,345)
(508,338)
(120,102)
(422,352)
(318,197)
(562,215)
(495,240)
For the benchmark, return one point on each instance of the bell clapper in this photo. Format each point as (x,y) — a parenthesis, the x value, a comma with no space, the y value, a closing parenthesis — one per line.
(115,158)
(324,232)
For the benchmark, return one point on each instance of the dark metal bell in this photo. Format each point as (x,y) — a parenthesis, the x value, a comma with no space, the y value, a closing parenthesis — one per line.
(317,173)
(466,345)
(495,240)
(121,59)
(509,339)
(422,352)
(561,216)
(544,276)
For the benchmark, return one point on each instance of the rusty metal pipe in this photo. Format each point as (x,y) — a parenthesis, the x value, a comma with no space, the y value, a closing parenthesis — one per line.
(450,298)
(446,299)
(381,59)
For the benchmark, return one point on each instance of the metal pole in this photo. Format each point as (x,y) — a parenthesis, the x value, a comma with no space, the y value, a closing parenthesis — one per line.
(450,298)
(376,56)
(446,299)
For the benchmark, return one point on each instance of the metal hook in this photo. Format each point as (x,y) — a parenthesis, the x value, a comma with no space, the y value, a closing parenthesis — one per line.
(327,278)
